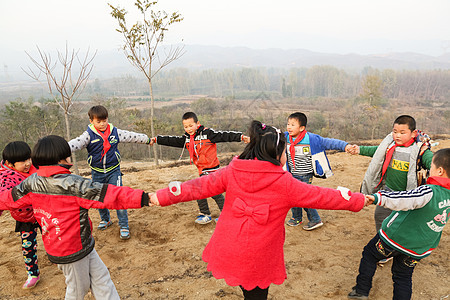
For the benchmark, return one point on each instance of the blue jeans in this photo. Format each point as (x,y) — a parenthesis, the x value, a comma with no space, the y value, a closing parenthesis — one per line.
(114,177)
(311,213)
(402,268)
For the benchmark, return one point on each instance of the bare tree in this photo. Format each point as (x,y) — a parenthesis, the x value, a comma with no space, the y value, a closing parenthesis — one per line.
(63,83)
(142,42)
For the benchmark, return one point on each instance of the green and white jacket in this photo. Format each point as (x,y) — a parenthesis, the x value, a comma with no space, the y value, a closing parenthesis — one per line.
(418,218)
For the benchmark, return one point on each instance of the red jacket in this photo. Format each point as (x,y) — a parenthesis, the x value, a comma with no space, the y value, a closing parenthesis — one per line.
(61,203)
(246,247)
(205,149)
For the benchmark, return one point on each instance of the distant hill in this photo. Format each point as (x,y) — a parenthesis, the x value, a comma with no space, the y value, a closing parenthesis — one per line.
(112,63)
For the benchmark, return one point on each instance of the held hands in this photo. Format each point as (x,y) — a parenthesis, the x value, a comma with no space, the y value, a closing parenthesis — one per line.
(245,139)
(368,199)
(352,149)
(152,141)
(153,199)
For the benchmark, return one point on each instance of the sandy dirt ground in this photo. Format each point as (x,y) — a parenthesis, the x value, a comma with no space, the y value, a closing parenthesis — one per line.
(162,260)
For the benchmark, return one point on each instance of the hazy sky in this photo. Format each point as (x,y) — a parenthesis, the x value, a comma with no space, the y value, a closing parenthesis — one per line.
(332,26)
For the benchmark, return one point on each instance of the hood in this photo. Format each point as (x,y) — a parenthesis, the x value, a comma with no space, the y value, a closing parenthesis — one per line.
(255,175)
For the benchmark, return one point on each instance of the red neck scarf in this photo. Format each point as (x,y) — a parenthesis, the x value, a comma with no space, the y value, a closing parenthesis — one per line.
(442,181)
(105,135)
(389,154)
(298,139)
(191,148)
(192,145)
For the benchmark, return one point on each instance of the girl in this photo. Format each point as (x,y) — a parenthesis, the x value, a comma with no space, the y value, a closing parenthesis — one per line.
(246,249)
(15,167)
(61,203)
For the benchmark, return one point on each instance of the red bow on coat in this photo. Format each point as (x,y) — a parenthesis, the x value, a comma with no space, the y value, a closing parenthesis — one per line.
(259,213)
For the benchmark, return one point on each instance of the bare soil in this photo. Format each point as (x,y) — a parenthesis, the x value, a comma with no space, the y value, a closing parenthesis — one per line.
(162,260)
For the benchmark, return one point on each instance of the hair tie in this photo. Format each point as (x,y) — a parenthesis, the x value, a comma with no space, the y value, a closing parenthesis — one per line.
(263,126)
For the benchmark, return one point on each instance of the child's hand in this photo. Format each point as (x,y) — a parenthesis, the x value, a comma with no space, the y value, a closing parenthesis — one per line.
(153,199)
(352,149)
(152,141)
(369,199)
(246,139)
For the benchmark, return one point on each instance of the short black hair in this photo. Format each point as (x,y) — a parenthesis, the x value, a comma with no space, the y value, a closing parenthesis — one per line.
(99,111)
(406,120)
(190,115)
(50,150)
(300,117)
(16,151)
(266,143)
(441,159)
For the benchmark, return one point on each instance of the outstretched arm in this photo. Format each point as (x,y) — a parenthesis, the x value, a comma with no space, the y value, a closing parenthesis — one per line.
(216,136)
(80,142)
(404,200)
(170,140)
(199,188)
(126,136)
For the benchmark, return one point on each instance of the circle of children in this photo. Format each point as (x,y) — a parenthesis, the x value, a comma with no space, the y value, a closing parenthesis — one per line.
(246,248)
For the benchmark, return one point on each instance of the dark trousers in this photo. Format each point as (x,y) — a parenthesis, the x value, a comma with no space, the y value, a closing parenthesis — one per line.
(255,294)
(203,203)
(402,269)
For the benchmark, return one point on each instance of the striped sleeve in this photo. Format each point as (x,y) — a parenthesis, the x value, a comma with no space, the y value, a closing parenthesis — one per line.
(404,200)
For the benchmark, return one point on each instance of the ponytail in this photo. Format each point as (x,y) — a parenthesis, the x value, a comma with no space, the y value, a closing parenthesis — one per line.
(266,143)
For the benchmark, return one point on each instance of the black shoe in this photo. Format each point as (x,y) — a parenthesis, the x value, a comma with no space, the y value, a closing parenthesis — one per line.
(355,295)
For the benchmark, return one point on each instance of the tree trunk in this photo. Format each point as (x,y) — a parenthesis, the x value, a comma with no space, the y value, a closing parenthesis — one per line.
(152,113)
(74,157)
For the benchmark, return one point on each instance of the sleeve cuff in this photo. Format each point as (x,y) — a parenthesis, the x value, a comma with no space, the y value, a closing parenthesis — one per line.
(377,199)
(145,199)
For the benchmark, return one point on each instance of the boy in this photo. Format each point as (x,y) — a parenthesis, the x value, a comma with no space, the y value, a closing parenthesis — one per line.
(61,203)
(201,144)
(394,163)
(101,140)
(410,232)
(306,158)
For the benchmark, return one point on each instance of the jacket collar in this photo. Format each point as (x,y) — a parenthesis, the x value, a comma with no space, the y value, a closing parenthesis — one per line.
(197,132)
(47,171)
(4,167)
(442,181)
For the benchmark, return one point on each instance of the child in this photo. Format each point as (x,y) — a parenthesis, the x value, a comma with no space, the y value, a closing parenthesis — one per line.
(394,163)
(201,144)
(246,248)
(101,140)
(411,232)
(307,158)
(15,167)
(61,203)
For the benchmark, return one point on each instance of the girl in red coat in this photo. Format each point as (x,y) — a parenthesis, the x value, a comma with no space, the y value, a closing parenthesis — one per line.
(246,248)
(15,167)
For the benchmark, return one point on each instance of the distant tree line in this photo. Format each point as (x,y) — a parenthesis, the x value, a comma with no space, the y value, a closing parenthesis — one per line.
(317,81)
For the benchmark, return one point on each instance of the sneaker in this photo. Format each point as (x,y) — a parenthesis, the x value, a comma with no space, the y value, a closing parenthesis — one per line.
(103,225)
(355,295)
(312,225)
(293,222)
(31,282)
(124,233)
(203,219)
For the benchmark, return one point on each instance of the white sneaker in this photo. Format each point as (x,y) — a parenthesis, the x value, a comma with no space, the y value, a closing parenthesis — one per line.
(203,219)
